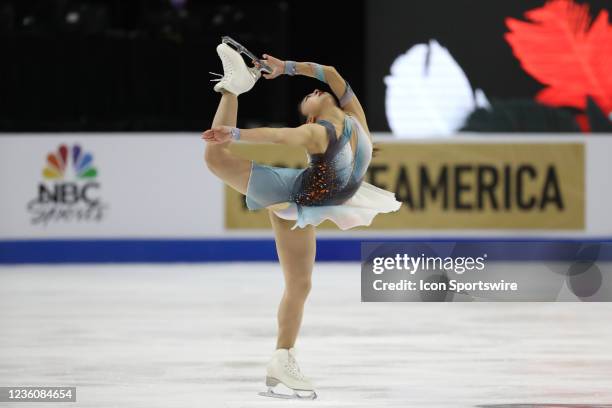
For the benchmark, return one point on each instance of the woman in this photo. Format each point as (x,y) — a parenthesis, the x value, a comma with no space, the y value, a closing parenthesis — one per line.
(339,147)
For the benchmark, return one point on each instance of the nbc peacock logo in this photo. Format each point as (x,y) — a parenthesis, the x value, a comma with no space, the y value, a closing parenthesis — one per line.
(82,163)
(69,191)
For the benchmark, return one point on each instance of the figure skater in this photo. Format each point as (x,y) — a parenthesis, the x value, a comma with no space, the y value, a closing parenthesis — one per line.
(339,148)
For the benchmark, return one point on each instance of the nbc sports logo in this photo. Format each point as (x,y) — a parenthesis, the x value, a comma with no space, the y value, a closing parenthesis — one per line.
(69,191)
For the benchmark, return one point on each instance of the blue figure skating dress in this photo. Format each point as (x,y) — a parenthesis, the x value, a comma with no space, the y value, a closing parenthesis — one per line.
(330,188)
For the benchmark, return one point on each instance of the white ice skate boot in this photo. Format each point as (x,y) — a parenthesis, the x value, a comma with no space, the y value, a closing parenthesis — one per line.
(283,369)
(237,77)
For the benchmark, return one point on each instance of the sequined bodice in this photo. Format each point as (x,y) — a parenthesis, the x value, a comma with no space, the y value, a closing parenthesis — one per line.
(334,176)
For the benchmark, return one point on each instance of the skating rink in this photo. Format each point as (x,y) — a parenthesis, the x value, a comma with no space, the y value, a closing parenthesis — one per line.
(200,335)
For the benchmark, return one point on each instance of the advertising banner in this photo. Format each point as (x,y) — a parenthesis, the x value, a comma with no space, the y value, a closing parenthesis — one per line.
(157,186)
(106,186)
(457,186)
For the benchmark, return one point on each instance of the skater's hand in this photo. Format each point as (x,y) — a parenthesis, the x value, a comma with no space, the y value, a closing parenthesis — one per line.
(278,66)
(218,134)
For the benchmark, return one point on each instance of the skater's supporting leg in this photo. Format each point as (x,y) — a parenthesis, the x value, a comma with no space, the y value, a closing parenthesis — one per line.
(233,170)
(296,252)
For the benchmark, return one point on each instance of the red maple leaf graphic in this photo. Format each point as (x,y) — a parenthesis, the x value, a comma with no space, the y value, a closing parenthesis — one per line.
(563,50)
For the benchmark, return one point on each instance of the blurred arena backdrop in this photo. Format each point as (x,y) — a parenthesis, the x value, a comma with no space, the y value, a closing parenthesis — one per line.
(492,121)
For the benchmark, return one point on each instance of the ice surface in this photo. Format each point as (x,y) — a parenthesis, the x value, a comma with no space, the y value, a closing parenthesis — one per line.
(200,335)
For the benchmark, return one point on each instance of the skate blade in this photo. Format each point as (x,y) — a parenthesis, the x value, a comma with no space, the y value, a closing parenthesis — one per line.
(295,396)
(263,67)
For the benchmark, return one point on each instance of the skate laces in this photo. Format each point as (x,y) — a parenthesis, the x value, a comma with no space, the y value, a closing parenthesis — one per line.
(227,70)
(217,75)
(292,367)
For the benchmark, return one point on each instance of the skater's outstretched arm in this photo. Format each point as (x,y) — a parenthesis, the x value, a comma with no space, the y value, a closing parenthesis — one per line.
(310,136)
(325,73)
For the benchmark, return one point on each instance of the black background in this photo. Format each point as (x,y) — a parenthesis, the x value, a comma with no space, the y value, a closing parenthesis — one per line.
(143,65)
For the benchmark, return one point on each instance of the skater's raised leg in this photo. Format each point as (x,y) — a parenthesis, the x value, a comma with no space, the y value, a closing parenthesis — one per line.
(296,252)
(233,170)
(237,79)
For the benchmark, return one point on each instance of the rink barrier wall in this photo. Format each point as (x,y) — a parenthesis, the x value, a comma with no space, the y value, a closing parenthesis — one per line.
(230,250)
(156,186)
(149,198)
